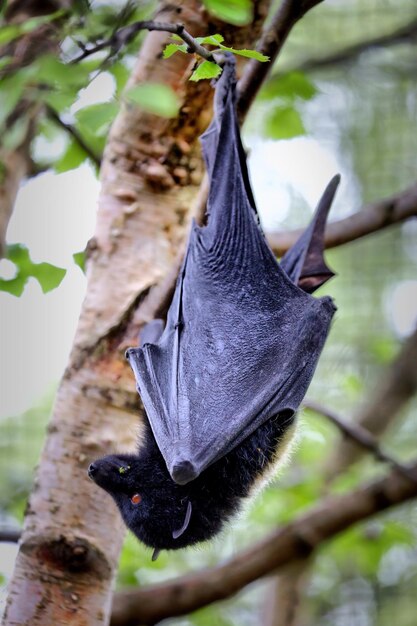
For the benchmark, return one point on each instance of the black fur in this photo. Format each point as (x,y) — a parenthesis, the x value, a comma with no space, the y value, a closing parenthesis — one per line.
(215,495)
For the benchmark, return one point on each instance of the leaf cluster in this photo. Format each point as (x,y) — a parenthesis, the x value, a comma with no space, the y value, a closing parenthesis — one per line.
(210,69)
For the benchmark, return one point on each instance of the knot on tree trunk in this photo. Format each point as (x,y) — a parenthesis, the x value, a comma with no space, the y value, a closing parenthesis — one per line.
(69,555)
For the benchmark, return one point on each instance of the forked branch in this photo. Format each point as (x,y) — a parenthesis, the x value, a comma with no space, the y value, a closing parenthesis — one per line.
(123,36)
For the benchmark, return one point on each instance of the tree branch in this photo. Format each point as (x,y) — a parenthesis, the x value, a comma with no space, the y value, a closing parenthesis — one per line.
(373,217)
(293,541)
(123,36)
(396,387)
(360,436)
(9,534)
(73,132)
(270,44)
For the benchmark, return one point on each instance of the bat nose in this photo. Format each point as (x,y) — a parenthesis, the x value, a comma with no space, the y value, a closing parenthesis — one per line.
(92,469)
(183,472)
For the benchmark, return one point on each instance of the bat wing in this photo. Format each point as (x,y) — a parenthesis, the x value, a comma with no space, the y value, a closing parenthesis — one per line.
(242,340)
(304,262)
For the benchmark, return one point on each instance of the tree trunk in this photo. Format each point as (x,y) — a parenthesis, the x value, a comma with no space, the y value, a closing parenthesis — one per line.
(151,169)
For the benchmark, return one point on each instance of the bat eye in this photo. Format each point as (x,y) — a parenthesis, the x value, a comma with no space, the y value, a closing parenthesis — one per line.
(135,499)
(124,469)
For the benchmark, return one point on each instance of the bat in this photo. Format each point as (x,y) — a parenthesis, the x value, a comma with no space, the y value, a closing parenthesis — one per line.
(221,382)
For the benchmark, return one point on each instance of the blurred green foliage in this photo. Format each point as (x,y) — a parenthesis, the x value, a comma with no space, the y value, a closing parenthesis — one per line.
(154,98)
(238,12)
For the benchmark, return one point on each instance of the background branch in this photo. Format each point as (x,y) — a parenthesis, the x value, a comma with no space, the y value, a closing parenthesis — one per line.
(123,36)
(373,217)
(395,388)
(73,132)
(359,435)
(10,535)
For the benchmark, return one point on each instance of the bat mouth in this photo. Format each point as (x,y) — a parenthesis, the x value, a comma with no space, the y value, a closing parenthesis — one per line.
(183,472)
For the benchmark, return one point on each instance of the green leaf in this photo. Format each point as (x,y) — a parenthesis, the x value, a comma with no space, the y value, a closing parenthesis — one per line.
(98,117)
(291,86)
(14,286)
(250,54)
(284,123)
(79,259)
(58,100)
(11,90)
(73,156)
(238,12)
(14,136)
(212,40)
(12,31)
(49,276)
(34,22)
(207,69)
(172,48)
(4,61)
(121,74)
(155,98)
(51,71)
(8,33)
(384,349)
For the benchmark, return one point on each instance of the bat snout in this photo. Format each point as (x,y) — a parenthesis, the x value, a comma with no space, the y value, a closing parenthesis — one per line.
(183,472)
(92,470)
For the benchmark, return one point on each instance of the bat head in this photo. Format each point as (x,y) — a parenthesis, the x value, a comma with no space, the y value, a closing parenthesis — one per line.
(155,508)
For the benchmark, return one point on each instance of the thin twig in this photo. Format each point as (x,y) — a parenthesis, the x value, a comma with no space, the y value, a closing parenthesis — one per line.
(125,35)
(9,535)
(74,134)
(360,436)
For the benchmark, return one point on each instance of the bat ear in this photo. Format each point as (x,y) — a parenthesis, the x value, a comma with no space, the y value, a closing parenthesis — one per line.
(181,531)
(304,261)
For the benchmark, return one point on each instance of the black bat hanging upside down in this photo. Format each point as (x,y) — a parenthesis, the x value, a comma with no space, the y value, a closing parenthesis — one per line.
(222,381)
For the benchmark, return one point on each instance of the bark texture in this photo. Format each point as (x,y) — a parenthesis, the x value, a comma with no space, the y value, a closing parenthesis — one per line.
(150,173)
